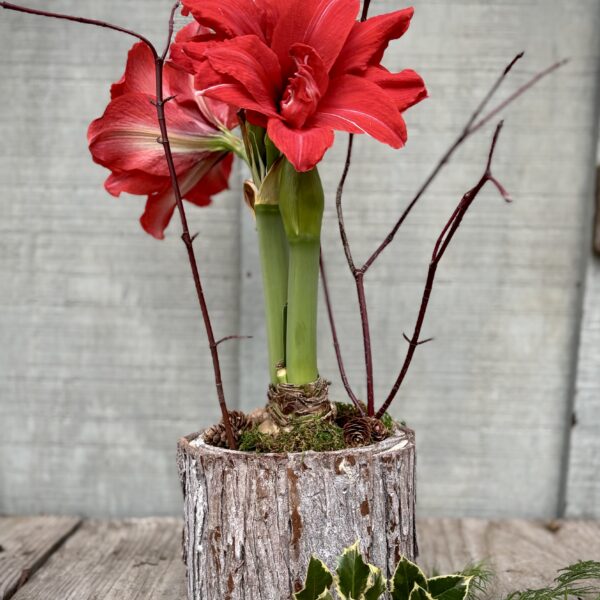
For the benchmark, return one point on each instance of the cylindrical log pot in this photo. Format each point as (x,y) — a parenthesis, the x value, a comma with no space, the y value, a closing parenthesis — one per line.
(252,521)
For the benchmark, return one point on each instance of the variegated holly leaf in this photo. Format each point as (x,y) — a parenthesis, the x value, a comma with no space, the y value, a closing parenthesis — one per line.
(449,587)
(420,593)
(376,586)
(317,583)
(406,576)
(353,573)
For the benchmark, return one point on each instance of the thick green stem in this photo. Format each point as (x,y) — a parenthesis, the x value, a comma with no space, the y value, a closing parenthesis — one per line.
(301,352)
(274,253)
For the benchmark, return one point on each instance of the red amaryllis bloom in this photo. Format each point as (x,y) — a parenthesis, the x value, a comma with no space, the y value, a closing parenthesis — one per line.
(302,69)
(126,140)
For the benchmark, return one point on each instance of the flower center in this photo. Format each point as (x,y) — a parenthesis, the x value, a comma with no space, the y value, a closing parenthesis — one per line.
(305,87)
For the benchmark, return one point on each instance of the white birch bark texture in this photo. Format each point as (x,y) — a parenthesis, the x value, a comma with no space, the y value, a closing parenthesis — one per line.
(252,521)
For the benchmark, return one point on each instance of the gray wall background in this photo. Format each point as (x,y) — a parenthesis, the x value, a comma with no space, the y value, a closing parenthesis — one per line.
(103,359)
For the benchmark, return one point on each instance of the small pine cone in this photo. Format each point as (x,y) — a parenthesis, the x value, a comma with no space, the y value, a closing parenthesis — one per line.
(379,431)
(239,422)
(357,432)
(216,436)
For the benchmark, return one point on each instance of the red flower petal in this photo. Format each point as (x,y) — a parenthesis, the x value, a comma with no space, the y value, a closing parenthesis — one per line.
(157,214)
(304,148)
(235,17)
(368,40)
(134,182)
(139,73)
(140,77)
(255,66)
(322,24)
(197,186)
(306,88)
(357,105)
(406,88)
(126,136)
(215,181)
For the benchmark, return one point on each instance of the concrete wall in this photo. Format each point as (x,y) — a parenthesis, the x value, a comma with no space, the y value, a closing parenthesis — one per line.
(103,360)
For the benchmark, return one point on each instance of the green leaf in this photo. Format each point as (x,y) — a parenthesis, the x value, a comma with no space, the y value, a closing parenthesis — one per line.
(318,581)
(406,576)
(352,574)
(449,587)
(419,593)
(376,586)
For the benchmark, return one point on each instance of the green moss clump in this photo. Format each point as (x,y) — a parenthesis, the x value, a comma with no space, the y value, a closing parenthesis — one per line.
(301,436)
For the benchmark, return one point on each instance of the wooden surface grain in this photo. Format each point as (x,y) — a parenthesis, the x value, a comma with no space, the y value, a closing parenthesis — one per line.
(522,554)
(123,560)
(103,362)
(25,545)
(140,559)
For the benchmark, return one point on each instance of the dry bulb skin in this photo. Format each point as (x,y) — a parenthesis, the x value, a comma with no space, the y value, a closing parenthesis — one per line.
(287,402)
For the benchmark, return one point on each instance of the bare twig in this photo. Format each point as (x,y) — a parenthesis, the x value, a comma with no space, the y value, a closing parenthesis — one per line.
(439,250)
(164,140)
(233,337)
(473,124)
(336,343)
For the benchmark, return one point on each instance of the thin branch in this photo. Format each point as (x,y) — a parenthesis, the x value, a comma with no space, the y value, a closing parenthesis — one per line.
(468,130)
(439,250)
(336,343)
(170,36)
(63,17)
(358,282)
(233,337)
(164,140)
(365,10)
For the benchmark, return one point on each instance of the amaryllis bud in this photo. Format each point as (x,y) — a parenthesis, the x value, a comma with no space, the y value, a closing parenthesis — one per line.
(301,202)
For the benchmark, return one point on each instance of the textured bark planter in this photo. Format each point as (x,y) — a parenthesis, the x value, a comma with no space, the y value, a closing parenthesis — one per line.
(252,521)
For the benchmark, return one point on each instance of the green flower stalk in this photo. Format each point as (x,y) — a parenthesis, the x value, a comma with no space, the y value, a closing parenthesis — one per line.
(262,195)
(301,203)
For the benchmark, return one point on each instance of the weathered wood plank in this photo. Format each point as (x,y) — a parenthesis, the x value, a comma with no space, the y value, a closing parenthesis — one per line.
(522,553)
(26,544)
(123,560)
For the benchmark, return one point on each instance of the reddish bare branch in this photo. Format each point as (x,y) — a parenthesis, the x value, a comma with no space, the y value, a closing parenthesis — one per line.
(468,130)
(164,140)
(170,36)
(439,250)
(233,337)
(336,343)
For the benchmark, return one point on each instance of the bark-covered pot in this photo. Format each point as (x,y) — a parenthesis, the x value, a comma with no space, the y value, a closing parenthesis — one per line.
(252,521)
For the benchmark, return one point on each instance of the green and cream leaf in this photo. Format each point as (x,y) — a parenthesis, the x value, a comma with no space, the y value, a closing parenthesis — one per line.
(318,581)
(406,576)
(353,574)
(449,587)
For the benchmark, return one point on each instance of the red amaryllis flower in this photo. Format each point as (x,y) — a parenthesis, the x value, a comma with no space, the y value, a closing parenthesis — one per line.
(302,69)
(126,140)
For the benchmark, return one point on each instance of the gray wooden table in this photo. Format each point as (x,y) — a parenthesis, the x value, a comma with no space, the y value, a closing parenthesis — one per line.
(65,558)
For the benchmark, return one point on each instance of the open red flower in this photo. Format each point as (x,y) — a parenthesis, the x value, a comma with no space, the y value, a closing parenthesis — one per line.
(302,69)
(126,140)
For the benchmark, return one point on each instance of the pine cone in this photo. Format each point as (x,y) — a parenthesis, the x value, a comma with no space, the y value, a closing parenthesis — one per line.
(216,436)
(379,431)
(357,432)
(239,422)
